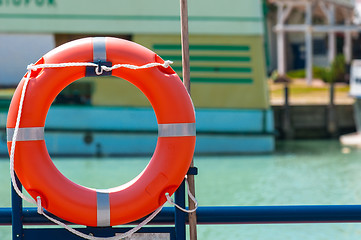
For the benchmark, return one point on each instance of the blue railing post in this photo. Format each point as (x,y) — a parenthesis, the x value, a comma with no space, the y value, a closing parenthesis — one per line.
(180,216)
(17,212)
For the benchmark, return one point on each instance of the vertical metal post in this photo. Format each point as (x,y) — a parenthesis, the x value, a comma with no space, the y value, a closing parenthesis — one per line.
(357,114)
(187,84)
(180,216)
(185,45)
(287,126)
(17,209)
(331,120)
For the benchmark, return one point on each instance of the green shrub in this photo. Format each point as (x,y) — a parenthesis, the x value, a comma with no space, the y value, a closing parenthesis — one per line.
(298,73)
(301,73)
(335,72)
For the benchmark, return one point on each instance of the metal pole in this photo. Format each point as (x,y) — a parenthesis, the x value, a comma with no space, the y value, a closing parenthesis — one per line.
(185,45)
(17,212)
(187,84)
(180,216)
(231,215)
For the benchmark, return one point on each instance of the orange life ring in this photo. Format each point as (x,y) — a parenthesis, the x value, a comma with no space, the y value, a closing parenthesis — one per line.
(142,195)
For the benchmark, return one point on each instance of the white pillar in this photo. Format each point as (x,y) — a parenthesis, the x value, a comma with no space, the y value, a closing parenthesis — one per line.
(331,34)
(308,43)
(347,47)
(281,56)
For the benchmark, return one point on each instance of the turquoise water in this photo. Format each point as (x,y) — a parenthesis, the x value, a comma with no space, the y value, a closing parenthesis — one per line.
(299,172)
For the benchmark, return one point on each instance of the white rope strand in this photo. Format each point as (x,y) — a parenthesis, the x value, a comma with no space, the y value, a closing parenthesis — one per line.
(98,71)
(170,200)
(33,67)
(149,65)
(117,237)
(13,143)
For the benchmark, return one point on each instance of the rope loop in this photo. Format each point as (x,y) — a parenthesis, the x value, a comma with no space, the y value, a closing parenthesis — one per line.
(170,200)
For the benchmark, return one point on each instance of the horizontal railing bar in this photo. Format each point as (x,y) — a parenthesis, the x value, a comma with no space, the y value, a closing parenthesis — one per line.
(234,215)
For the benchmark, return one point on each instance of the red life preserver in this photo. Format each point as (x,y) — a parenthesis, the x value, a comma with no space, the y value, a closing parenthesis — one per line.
(142,195)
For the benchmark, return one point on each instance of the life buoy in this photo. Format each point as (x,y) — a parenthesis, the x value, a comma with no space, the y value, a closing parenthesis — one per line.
(165,171)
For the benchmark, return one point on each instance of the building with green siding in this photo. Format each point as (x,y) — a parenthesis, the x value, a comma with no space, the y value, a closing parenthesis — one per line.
(227,63)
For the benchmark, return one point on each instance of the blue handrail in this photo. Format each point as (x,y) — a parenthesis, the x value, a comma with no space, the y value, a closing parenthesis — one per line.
(234,215)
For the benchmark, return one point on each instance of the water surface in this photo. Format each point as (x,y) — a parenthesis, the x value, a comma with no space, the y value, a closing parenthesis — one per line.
(299,172)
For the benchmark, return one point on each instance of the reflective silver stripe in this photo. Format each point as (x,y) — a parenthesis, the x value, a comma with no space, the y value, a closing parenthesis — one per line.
(103,209)
(176,129)
(26,134)
(99,51)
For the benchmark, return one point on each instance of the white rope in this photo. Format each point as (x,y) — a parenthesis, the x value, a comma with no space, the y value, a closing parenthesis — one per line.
(117,237)
(13,143)
(170,200)
(98,71)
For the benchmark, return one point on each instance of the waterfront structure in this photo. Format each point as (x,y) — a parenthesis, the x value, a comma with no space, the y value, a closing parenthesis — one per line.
(228,72)
(310,23)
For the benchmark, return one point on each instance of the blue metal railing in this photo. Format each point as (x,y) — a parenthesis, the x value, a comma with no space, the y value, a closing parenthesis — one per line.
(17,216)
(232,215)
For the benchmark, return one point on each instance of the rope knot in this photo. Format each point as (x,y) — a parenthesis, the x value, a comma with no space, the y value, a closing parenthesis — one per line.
(169,199)
(31,67)
(167,63)
(99,68)
(38,204)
